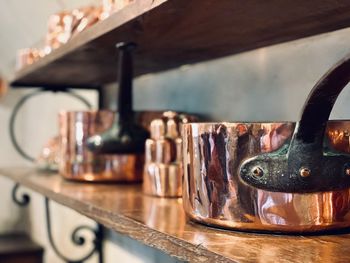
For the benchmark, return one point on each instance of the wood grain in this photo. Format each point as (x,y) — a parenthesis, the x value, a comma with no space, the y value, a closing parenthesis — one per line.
(161,223)
(171,33)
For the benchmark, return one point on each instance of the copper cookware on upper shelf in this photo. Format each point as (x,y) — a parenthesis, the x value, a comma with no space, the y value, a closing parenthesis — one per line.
(283,176)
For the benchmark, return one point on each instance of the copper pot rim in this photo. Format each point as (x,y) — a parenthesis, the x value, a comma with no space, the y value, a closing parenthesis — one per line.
(115,112)
(83,111)
(253,122)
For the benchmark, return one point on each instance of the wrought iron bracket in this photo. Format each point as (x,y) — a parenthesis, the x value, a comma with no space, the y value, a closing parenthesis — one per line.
(23,200)
(77,238)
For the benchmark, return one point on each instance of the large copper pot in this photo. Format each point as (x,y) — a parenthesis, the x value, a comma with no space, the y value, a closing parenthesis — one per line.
(80,164)
(283,176)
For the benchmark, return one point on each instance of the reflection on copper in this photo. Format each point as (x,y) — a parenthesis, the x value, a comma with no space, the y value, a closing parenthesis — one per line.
(78,163)
(85,17)
(66,24)
(62,27)
(163,168)
(59,29)
(111,6)
(338,134)
(107,8)
(164,214)
(3,87)
(274,135)
(214,194)
(27,56)
(49,156)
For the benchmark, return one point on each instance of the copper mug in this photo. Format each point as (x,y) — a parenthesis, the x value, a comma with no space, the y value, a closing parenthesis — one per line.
(282,177)
(79,164)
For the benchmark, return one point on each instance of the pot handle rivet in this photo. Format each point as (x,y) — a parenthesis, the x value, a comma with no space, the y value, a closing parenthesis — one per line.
(305,172)
(257,171)
(347,171)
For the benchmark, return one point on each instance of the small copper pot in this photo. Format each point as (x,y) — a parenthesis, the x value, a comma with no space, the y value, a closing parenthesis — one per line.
(79,164)
(284,177)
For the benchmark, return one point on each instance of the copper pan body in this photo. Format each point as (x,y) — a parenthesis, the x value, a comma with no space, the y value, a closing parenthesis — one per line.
(79,164)
(214,194)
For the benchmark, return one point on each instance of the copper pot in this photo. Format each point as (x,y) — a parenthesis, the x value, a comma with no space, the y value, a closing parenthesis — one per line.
(283,176)
(79,164)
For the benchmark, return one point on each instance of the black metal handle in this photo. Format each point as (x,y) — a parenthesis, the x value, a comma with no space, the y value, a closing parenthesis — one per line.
(125,75)
(125,135)
(321,100)
(305,167)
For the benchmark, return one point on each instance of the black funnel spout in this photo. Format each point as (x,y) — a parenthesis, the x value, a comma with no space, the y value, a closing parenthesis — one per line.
(125,135)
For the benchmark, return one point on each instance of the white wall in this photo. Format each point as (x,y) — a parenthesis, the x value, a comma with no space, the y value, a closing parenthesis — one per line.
(266,84)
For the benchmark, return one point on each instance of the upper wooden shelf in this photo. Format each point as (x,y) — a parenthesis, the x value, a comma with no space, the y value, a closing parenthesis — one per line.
(161,223)
(171,33)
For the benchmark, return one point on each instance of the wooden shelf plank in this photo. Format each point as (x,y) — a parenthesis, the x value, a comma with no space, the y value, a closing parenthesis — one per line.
(171,33)
(161,223)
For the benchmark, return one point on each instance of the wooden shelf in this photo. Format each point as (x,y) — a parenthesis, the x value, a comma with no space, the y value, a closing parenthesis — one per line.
(171,33)
(161,223)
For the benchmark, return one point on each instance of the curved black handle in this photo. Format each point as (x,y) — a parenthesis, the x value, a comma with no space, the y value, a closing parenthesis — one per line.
(320,101)
(304,166)
(306,147)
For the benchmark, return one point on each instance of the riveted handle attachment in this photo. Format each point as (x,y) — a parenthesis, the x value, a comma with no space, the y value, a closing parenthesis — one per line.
(304,166)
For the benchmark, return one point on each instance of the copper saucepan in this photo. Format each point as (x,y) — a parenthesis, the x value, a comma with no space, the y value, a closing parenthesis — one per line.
(80,164)
(283,176)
